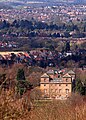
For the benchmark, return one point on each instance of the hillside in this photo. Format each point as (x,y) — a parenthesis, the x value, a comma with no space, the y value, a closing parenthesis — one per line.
(5,6)
(24,2)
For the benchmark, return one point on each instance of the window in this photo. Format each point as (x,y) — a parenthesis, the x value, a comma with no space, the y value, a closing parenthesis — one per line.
(55,90)
(51,90)
(66,80)
(59,90)
(45,90)
(66,96)
(59,84)
(44,79)
(67,91)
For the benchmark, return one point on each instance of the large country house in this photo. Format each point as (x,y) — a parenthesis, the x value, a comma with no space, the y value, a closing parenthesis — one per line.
(56,84)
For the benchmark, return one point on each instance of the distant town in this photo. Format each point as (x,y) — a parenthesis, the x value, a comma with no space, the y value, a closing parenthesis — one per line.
(43,60)
(48,14)
(45,36)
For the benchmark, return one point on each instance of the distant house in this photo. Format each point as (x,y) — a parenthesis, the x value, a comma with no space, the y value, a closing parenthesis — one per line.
(56,85)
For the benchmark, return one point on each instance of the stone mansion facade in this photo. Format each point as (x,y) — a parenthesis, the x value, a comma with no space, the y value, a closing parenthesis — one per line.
(57,84)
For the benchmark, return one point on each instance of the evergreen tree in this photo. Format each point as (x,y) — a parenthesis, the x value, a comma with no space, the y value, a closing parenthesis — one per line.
(67,46)
(20,74)
(79,87)
(22,84)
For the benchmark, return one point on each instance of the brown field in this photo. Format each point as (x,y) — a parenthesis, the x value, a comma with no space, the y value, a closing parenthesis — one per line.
(12,108)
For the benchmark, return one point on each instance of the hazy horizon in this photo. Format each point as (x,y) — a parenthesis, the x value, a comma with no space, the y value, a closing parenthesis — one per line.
(76,1)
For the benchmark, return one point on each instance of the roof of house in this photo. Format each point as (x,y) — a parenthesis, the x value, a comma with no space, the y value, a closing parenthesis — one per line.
(44,76)
(71,72)
(50,72)
(57,80)
(66,76)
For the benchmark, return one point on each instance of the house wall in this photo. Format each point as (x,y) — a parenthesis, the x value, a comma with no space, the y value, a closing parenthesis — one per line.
(45,89)
(67,79)
(43,80)
(60,90)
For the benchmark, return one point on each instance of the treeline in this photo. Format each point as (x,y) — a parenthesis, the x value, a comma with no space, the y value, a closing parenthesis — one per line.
(22,82)
(20,99)
(36,28)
